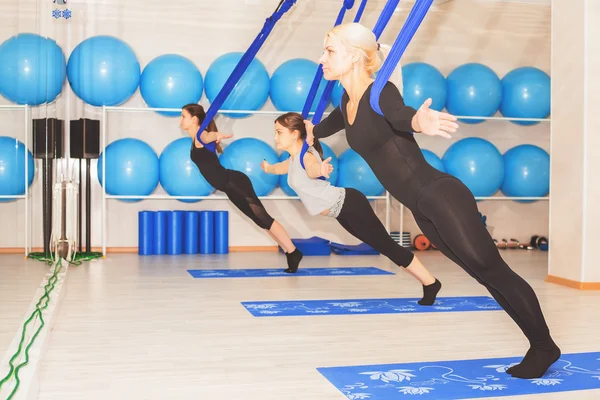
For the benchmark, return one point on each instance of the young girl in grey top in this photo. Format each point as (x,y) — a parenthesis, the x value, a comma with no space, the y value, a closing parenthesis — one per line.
(307,174)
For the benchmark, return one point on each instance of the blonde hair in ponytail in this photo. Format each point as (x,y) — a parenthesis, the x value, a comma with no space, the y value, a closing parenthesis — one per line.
(396,77)
(358,37)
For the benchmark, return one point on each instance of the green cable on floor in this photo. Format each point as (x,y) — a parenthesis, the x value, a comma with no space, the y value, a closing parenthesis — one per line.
(77,260)
(41,305)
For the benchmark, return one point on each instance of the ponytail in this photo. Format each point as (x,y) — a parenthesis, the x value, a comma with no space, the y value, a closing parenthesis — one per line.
(396,77)
(212,127)
(318,147)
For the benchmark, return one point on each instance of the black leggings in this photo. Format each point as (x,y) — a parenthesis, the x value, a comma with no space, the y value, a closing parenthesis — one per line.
(358,218)
(448,216)
(241,193)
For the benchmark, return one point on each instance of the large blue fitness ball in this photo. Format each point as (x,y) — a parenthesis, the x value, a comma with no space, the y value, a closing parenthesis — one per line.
(477,163)
(131,167)
(171,81)
(291,84)
(526,94)
(422,81)
(526,172)
(474,90)
(251,92)
(32,69)
(12,168)
(179,176)
(245,155)
(103,71)
(357,174)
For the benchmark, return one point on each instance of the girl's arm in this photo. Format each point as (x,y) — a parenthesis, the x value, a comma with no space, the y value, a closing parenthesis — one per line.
(280,168)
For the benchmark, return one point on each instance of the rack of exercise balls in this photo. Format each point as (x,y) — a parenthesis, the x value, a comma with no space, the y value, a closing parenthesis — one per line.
(444,92)
(172,169)
(474,92)
(21,84)
(186,85)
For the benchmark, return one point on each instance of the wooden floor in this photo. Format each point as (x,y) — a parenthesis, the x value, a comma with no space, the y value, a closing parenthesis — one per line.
(134,327)
(19,280)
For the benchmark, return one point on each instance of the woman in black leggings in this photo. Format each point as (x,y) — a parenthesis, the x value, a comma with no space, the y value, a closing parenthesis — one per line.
(236,185)
(443,206)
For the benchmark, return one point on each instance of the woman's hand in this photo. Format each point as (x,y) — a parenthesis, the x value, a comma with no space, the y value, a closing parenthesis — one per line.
(265,166)
(310,137)
(326,168)
(220,136)
(434,123)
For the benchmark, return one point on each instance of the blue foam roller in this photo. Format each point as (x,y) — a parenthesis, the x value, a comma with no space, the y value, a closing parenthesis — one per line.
(145,233)
(221,232)
(175,232)
(207,232)
(192,231)
(160,232)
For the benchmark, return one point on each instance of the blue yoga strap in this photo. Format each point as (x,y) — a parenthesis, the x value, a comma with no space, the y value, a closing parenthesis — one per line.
(240,68)
(416,16)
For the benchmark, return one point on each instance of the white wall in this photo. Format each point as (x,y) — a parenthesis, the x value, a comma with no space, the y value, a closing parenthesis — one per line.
(501,35)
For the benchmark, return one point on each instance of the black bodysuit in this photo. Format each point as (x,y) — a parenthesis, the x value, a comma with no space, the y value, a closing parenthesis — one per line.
(236,185)
(444,208)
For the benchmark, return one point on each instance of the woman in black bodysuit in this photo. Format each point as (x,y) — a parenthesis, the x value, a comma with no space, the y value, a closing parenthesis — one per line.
(236,185)
(444,208)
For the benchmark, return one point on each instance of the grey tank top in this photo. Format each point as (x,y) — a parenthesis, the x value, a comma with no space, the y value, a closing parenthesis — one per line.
(317,195)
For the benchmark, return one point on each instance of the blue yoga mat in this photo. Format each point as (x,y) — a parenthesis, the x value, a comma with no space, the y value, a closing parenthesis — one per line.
(462,379)
(367,306)
(270,272)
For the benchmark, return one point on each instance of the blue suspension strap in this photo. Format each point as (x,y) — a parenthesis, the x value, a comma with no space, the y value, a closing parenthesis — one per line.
(384,17)
(240,68)
(348,4)
(416,16)
(382,21)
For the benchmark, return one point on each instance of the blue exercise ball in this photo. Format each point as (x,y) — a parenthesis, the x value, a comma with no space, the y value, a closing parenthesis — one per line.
(526,172)
(179,176)
(33,69)
(433,160)
(357,174)
(327,152)
(422,81)
(291,82)
(251,92)
(132,168)
(245,155)
(474,90)
(477,163)
(526,94)
(171,81)
(103,71)
(336,94)
(12,168)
